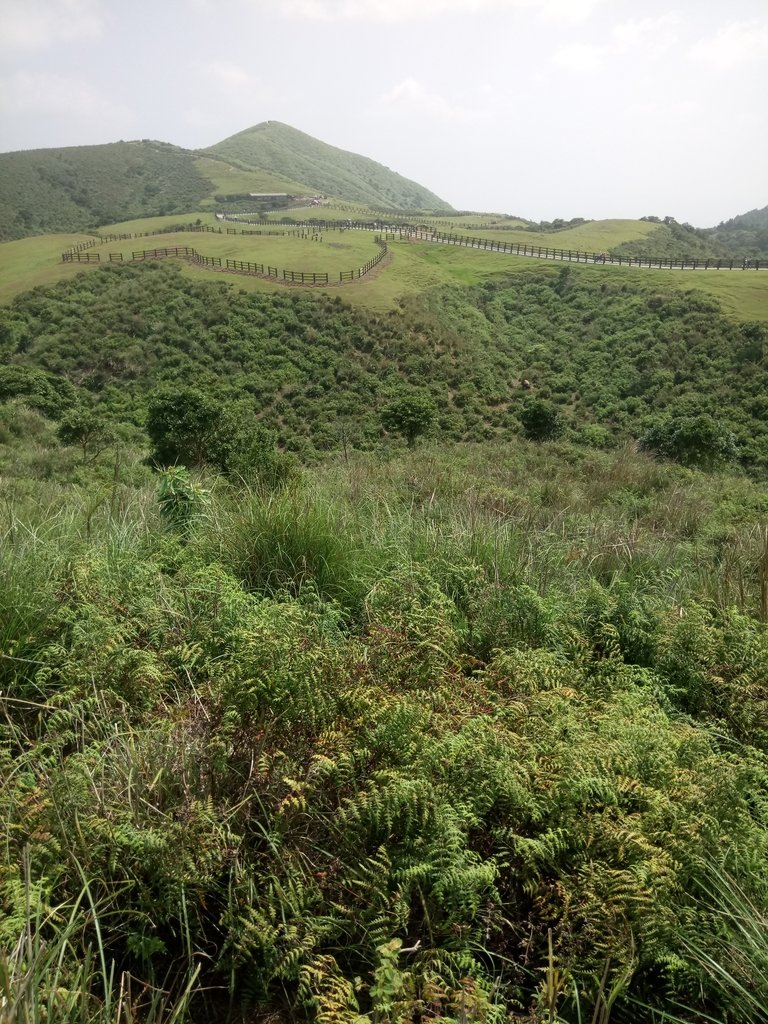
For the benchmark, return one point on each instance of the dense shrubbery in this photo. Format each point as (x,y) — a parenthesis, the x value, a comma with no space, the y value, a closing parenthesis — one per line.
(284,738)
(610,358)
(475,732)
(73,189)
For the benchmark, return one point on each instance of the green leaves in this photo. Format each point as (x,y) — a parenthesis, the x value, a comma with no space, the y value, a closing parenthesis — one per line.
(409,413)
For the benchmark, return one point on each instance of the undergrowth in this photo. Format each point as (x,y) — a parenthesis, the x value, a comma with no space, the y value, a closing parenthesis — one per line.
(472,733)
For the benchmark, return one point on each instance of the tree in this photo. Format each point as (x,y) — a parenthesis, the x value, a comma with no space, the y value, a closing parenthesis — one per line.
(410,413)
(191,427)
(85,429)
(541,421)
(692,440)
(49,393)
(182,424)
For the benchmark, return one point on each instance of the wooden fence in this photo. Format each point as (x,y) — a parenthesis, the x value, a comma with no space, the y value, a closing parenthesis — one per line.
(76,255)
(350,275)
(80,257)
(409,231)
(579,256)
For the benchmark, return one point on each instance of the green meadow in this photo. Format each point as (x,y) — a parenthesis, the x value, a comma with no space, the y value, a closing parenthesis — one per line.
(412,268)
(332,252)
(229,180)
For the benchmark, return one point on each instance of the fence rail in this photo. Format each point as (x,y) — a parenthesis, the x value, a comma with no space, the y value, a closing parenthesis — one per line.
(80,257)
(79,254)
(409,231)
(581,256)
(76,254)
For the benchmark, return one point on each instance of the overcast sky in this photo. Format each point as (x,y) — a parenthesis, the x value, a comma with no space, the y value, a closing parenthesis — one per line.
(542,108)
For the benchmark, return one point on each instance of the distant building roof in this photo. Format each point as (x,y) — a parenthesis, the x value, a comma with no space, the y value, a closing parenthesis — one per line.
(269,195)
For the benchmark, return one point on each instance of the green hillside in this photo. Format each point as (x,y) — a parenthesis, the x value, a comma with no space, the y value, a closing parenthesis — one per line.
(747,233)
(82,187)
(322,725)
(614,358)
(745,236)
(393,651)
(282,150)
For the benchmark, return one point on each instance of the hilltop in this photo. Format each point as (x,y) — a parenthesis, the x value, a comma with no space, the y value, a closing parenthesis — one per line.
(83,187)
(284,150)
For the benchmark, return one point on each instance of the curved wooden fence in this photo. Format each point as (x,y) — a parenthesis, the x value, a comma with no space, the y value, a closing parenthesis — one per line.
(409,231)
(79,254)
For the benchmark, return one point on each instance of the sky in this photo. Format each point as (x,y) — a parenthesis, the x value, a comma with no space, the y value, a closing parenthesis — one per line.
(535,108)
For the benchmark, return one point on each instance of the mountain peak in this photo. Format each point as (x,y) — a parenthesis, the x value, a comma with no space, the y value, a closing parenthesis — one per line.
(288,152)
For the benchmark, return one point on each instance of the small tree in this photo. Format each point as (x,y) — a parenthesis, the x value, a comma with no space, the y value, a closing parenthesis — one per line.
(410,413)
(190,427)
(182,424)
(85,429)
(541,421)
(180,498)
(692,440)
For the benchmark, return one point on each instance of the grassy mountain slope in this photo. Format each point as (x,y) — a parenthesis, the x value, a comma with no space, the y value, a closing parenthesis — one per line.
(283,150)
(613,357)
(746,233)
(399,734)
(745,236)
(227,178)
(751,219)
(81,187)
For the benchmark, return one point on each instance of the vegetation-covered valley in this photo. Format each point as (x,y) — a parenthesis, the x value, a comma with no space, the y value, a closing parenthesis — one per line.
(382,665)
(615,362)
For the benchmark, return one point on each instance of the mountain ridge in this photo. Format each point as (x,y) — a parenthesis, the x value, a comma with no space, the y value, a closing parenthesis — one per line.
(78,188)
(274,146)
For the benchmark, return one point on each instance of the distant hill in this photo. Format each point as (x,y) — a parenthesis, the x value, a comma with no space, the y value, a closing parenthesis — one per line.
(753,219)
(743,236)
(746,234)
(282,150)
(81,187)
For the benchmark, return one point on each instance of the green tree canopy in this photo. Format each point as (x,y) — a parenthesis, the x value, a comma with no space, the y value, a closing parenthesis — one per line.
(410,413)
(541,421)
(692,440)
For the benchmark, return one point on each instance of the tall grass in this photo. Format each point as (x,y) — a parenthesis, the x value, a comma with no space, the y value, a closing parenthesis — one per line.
(466,697)
(52,974)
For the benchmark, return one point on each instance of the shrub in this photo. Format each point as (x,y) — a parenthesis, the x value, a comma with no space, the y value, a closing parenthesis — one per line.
(541,421)
(692,440)
(409,413)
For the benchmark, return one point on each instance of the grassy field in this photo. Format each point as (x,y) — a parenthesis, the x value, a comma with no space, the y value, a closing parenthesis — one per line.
(227,179)
(470,220)
(336,252)
(594,236)
(412,268)
(418,266)
(28,262)
(335,211)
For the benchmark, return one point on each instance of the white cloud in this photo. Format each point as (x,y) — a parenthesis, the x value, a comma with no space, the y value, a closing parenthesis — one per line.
(647,38)
(582,58)
(653,35)
(411,97)
(61,95)
(567,10)
(411,10)
(733,44)
(38,24)
(231,75)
